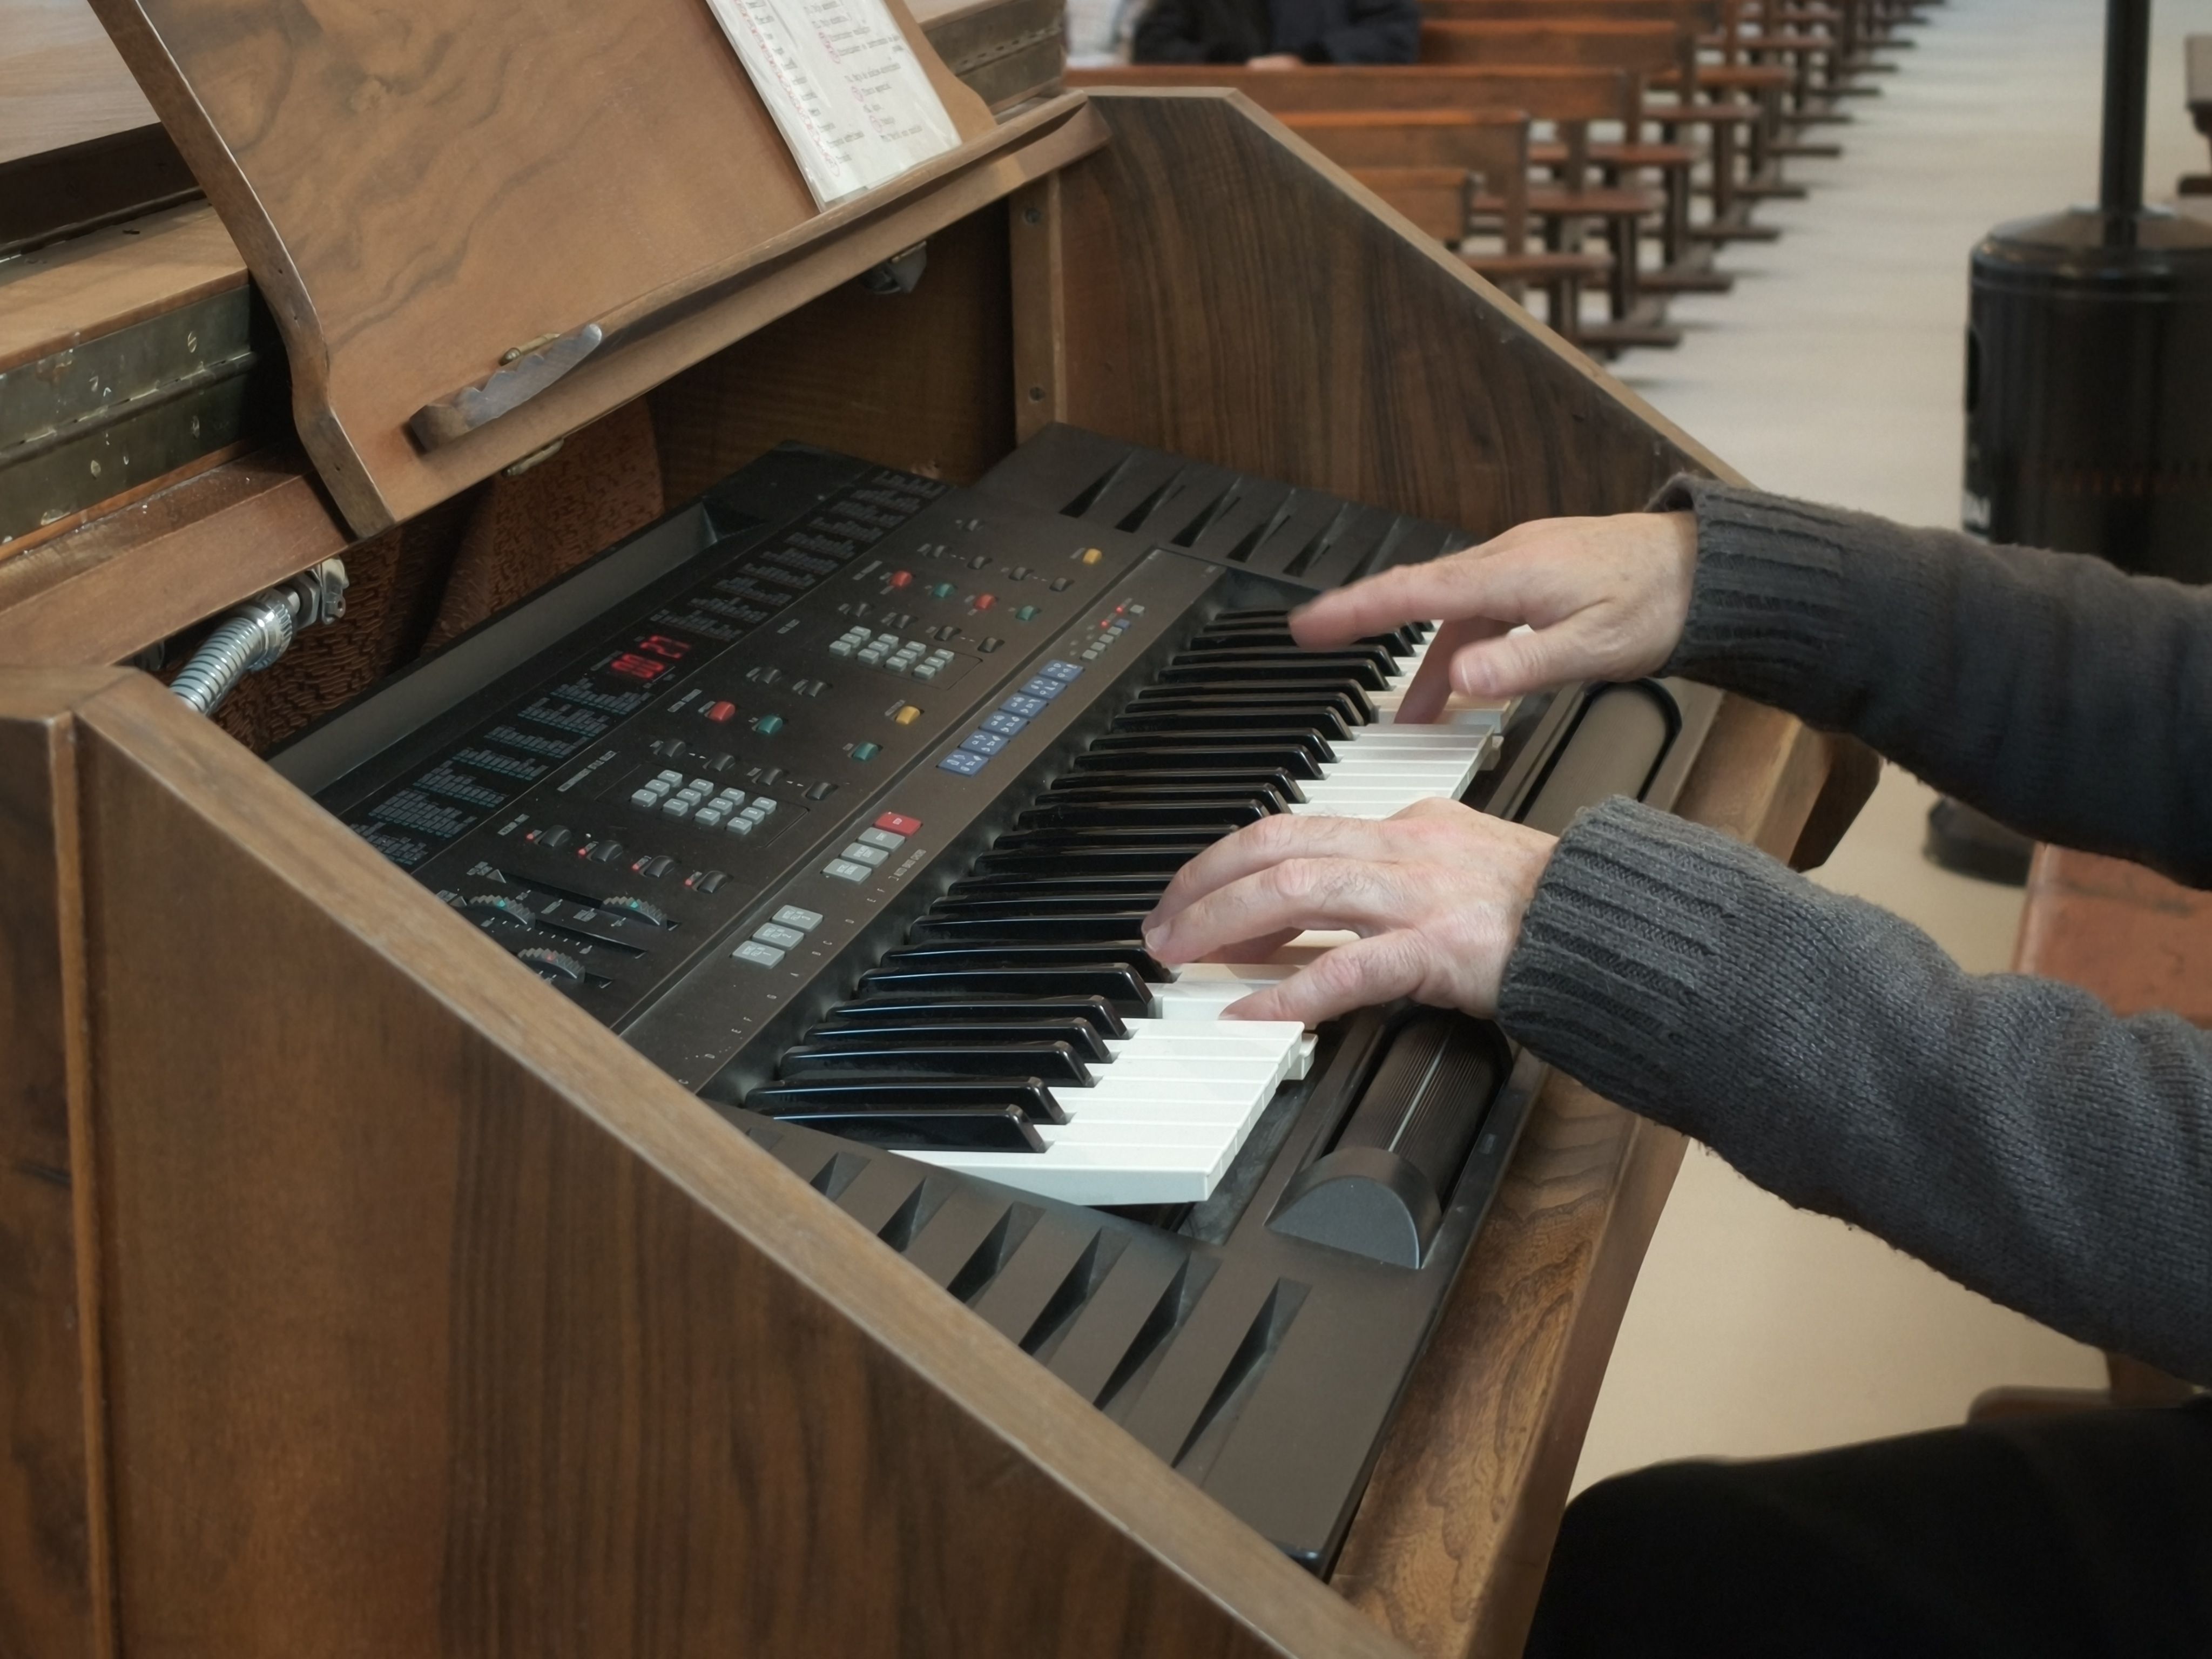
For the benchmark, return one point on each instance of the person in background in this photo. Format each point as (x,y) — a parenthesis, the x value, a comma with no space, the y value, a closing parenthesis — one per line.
(2012,1132)
(1280,33)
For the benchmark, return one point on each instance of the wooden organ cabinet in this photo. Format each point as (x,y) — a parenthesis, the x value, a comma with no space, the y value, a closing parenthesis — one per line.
(358,1296)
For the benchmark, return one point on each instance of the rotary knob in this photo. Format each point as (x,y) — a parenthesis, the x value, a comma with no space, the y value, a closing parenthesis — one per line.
(554,965)
(651,914)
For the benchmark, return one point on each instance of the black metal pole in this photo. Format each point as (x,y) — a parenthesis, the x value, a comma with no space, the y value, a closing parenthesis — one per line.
(2127,95)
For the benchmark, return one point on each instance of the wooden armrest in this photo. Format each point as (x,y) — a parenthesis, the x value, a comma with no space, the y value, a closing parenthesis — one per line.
(1728,113)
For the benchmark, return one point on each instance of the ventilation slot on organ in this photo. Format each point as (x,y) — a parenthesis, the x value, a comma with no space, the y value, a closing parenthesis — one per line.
(1088,498)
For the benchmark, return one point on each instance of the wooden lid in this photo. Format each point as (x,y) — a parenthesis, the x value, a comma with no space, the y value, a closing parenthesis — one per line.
(422,187)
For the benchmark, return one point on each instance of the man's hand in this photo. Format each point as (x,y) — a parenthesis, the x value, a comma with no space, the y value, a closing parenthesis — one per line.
(1606,599)
(1436,893)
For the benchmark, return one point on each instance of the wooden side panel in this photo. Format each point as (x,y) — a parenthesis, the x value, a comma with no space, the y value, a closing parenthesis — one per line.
(441,1322)
(1322,340)
(53,1520)
(1449,1549)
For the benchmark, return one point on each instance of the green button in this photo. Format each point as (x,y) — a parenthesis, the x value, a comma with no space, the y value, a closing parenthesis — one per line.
(1027,613)
(866,751)
(768,724)
(942,591)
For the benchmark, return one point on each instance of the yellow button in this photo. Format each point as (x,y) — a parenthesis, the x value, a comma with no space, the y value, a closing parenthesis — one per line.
(1091,555)
(907,714)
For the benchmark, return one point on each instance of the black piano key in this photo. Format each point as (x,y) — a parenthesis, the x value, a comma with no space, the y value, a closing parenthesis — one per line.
(1081,1036)
(1015,953)
(943,1129)
(1108,837)
(1122,986)
(1290,691)
(1141,890)
(1051,1062)
(1027,1096)
(1180,700)
(1073,791)
(1398,642)
(1046,923)
(1218,814)
(1163,861)
(1258,715)
(1217,665)
(1096,1011)
(1350,659)
(1123,755)
(1283,735)
(1276,780)
(1041,904)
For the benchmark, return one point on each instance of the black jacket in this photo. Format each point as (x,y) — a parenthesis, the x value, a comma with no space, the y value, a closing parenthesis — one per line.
(1319,31)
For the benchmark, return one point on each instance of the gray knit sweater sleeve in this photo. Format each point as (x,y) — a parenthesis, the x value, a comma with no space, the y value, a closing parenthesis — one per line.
(2055,694)
(2011,1132)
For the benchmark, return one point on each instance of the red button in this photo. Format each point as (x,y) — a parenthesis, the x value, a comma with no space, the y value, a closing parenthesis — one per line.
(718,712)
(898,823)
(901,578)
(985,601)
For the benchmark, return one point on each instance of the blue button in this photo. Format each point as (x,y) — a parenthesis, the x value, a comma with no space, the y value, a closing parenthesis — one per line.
(983,743)
(1060,670)
(1042,687)
(1005,725)
(966,762)
(1028,708)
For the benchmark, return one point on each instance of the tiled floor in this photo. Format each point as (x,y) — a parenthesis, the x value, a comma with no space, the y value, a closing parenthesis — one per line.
(1833,371)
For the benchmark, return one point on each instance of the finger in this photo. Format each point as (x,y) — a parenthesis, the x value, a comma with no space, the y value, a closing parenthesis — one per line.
(1253,950)
(1431,684)
(1409,592)
(1257,846)
(1297,894)
(1364,974)
(1512,664)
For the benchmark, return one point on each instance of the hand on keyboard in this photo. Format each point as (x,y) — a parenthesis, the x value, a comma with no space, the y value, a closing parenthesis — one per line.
(1604,599)
(1436,893)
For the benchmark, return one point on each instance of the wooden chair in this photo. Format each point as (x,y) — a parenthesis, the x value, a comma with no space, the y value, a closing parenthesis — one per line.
(2138,942)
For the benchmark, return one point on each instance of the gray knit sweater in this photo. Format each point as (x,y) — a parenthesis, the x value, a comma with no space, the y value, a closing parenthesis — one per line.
(2011,1132)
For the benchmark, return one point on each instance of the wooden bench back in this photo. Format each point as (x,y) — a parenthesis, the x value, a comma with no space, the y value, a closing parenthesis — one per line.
(1705,16)
(1545,92)
(1641,48)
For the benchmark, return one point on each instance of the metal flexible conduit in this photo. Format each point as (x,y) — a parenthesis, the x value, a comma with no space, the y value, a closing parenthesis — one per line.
(255,636)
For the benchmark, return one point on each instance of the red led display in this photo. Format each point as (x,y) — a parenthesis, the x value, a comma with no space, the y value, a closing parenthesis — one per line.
(630,665)
(660,644)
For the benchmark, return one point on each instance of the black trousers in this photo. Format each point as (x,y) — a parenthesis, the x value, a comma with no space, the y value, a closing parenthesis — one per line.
(2083,1535)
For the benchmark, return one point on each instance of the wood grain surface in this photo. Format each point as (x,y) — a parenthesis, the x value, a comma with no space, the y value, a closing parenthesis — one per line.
(438,1321)
(1385,372)
(53,1523)
(394,175)
(61,83)
(2137,939)
(1449,1549)
(1547,92)
(56,296)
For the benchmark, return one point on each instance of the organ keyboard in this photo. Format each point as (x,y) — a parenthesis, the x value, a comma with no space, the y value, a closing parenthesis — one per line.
(841,795)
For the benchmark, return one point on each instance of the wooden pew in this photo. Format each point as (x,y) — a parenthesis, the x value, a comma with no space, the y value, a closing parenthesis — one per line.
(1570,98)
(1627,160)
(1442,170)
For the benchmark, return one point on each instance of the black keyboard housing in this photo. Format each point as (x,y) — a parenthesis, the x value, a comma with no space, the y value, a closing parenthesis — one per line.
(1262,1365)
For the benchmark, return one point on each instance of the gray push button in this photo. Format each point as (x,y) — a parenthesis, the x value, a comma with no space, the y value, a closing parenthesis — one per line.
(806,920)
(753,951)
(846,870)
(860,852)
(889,840)
(783,938)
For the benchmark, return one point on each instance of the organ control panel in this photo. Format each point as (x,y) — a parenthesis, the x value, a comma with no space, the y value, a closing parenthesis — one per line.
(839,792)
